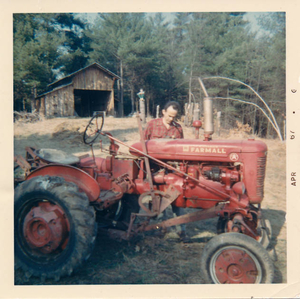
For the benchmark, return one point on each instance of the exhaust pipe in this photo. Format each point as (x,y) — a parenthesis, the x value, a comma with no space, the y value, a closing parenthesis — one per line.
(208,118)
(208,113)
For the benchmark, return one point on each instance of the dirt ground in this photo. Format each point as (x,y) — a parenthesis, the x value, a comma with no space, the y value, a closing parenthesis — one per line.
(152,258)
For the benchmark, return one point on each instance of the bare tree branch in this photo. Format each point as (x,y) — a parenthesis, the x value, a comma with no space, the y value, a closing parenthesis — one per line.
(250,103)
(242,83)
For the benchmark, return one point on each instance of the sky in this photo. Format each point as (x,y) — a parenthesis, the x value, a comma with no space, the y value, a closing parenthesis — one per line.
(252,18)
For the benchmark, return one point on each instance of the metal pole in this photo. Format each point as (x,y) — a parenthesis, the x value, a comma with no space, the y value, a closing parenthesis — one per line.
(155,201)
(203,87)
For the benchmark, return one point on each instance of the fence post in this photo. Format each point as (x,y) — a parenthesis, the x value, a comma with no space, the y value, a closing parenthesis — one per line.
(142,110)
(186,112)
(141,95)
(196,115)
(218,122)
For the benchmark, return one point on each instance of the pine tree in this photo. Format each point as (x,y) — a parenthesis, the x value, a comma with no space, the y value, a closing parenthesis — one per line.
(36,45)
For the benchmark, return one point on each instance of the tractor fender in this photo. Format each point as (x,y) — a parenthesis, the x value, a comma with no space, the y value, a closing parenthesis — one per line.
(84,181)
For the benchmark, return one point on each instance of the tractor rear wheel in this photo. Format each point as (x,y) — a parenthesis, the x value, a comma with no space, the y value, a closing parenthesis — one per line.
(236,258)
(55,227)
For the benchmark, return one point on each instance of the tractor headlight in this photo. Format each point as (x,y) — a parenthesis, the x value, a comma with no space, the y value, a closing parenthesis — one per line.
(239,188)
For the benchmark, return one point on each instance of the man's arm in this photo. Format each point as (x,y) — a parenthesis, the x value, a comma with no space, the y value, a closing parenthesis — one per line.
(179,130)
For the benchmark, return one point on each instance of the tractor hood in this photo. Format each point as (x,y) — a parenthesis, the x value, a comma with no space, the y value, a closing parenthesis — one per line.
(198,150)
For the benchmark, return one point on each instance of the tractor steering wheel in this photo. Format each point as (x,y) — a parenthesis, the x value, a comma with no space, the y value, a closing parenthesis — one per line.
(93,129)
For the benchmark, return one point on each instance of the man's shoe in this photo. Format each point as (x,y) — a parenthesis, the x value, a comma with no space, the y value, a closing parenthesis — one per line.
(184,237)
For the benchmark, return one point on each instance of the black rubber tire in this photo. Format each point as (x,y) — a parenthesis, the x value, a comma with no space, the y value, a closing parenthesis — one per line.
(130,204)
(221,225)
(257,252)
(82,227)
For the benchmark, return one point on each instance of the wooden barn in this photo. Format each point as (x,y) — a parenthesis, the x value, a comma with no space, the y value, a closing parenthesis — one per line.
(80,93)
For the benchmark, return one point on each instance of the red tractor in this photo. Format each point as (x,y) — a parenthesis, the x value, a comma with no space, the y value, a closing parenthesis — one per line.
(63,198)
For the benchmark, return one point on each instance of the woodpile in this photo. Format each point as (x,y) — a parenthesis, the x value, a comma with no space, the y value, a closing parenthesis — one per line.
(27,117)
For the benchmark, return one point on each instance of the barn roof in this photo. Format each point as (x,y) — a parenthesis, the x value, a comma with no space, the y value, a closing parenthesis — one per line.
(93,64)
(54,89)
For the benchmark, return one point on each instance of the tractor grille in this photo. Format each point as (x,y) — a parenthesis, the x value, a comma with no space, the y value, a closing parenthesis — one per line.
(261,171)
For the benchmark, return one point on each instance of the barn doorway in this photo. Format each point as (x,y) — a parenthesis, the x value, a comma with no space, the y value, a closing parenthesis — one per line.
(88,101)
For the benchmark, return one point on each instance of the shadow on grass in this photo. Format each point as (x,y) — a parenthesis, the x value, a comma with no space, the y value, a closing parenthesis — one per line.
(278,247)
(277,219)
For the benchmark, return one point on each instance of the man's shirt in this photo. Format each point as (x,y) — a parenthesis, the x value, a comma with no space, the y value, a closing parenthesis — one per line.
(156,129)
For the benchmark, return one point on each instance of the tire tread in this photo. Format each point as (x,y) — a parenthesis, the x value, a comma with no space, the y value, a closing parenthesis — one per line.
(83,217)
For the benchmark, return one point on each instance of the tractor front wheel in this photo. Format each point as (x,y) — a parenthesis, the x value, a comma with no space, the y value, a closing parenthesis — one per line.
(55,227)
(236,258)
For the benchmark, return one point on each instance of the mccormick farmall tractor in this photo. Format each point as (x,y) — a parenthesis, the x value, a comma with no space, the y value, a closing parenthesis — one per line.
(63,198)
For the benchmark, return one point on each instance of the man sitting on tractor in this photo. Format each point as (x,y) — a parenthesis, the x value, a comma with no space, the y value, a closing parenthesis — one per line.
(166,127)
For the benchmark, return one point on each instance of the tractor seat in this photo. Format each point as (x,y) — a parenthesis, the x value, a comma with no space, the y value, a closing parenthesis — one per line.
(56,156)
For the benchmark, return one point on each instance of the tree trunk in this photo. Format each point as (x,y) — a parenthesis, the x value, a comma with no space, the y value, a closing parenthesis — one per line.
(258,80)
(132,99)
(119,89)
(243,116)
(157,111)
(191,112)
(190,89)
(218,122)
(148,106)
(186,105)
(121,104)
(226,111)
(268,126)
(254,118)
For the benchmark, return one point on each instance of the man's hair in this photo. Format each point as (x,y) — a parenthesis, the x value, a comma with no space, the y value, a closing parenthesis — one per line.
(174,105)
